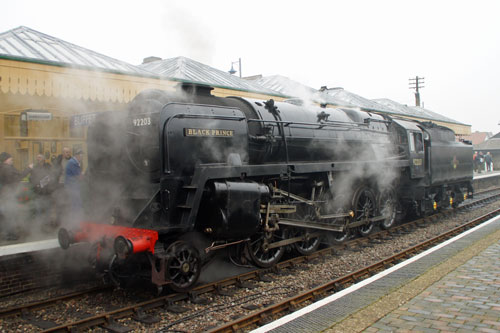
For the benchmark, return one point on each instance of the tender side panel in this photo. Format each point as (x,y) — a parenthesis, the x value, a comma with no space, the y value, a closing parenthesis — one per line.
(450,162)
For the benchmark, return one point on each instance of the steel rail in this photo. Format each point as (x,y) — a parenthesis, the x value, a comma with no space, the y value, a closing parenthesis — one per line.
(292,303)
(107,318)
(22,308)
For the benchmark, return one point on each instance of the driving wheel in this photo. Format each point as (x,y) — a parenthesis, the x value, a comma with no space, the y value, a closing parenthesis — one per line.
(259,251)
(183,266)
(388,208)
(309,244)
(364,209)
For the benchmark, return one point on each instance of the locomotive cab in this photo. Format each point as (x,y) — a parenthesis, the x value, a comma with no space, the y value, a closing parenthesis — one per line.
(411,143)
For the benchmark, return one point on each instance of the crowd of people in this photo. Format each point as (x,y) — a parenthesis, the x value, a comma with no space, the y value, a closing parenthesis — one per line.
(53,192)
(482,162)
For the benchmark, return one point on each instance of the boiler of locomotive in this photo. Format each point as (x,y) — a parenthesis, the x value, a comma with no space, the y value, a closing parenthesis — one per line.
(194,134)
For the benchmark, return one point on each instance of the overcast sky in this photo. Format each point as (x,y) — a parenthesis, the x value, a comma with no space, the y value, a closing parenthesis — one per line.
(368,47)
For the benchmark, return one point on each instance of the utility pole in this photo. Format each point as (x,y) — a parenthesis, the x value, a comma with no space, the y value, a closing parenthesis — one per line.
(416,84)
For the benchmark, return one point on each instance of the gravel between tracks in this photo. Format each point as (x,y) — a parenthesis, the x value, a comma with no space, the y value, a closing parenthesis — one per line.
(200,317)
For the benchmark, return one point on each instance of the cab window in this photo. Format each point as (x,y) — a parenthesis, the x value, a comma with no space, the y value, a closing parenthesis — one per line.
(416,142)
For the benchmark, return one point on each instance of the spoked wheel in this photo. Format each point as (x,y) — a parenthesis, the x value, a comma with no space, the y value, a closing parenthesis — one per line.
(388,208)
(260,253)
(335,205)
(309,244)
(364,209)
(183,266)
(337,237)
(306,246)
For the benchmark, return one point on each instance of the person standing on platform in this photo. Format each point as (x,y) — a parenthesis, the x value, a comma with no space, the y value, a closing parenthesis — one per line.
(59,196)
(489,162)
(72,184)
(40,175)
(481,162)
(10,179)
(60,164)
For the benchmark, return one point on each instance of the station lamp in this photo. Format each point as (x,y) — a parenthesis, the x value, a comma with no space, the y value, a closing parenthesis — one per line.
(232,70)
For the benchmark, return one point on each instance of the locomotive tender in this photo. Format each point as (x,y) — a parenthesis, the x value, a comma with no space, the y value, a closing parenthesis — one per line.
(182,174)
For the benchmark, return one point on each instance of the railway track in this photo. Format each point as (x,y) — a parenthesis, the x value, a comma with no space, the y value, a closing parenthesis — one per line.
(291,304)
(139,311)
(24,308)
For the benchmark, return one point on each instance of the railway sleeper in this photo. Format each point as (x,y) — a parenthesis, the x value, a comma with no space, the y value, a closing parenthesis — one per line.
(264,277)
(195,298)
(112,326)
(144,318)
(244,284)
(41,323)
(223,291)
(170,306)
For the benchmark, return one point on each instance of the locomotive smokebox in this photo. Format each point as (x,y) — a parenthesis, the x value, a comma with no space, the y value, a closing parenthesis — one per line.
(234,209)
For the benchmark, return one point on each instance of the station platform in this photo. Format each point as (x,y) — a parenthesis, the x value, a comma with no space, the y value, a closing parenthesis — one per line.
(453,287)
(486,174)
(31,243)
(41,245)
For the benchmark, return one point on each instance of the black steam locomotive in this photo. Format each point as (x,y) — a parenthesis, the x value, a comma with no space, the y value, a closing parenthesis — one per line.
(182,174)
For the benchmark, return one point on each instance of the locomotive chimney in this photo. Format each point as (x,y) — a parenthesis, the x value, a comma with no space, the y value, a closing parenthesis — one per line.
(198,89)
(150,59)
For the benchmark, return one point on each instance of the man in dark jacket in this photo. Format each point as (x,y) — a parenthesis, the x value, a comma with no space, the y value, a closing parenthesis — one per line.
(9,189)
(488,160)
(8,173)
(72,183)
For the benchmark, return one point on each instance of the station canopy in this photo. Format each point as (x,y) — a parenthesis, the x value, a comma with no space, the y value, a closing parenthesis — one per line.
(343,98)
(188,70)
(25,44)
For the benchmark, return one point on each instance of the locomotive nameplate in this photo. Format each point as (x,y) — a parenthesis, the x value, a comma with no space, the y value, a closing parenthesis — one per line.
(208,132)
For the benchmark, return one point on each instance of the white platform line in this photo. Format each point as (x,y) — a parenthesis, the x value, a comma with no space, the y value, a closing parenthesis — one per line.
(488,175)
(29,247)
(363,283)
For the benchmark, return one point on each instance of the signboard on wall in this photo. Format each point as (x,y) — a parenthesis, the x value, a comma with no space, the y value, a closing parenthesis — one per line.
(81,120)
(38,115)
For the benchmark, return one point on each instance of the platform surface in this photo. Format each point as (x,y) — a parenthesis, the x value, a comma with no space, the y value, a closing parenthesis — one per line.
(454,286)
(467,299)
(484,174)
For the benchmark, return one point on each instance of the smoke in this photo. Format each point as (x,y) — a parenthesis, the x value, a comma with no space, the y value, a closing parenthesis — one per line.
(357,143)
(188,32)
(368,157)
(26,214)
